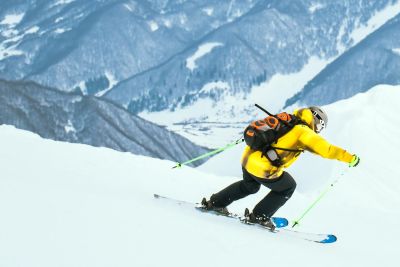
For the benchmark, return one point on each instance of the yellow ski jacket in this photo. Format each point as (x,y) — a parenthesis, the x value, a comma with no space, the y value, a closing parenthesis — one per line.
(301,137)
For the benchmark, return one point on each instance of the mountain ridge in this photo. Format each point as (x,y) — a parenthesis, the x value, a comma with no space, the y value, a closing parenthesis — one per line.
(371,62)
(72,117)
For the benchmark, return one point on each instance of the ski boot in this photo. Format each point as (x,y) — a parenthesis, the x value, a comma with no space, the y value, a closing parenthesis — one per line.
(208,205)
(250,218)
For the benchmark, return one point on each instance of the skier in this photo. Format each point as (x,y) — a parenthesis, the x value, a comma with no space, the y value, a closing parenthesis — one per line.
(258,169)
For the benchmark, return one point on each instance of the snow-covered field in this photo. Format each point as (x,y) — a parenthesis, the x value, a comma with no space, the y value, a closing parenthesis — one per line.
(69,205)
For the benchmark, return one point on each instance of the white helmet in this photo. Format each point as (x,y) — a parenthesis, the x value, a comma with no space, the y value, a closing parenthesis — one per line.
(320,118)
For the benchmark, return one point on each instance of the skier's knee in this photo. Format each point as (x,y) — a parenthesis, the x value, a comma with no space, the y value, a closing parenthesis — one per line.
(250,188)
(289,192)
(293,186)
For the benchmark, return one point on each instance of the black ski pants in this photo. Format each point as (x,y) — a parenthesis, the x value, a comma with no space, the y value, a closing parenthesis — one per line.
(282,189)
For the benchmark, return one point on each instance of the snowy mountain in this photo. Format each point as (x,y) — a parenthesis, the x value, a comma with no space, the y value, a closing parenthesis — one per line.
(92,45)
(98,209)
(157,55)
(201,64)
(273,37)
(214,123)
(373,61)
(86,119)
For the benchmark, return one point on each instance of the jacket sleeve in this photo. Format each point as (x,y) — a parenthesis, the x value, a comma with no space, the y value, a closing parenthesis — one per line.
(316,144)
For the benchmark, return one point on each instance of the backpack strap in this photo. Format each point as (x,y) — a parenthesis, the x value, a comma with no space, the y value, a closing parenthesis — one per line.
(293,122)
(288,149)
(271,153)
(274,157)
(272,115)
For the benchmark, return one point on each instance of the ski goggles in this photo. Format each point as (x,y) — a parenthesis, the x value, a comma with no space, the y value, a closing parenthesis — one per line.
(318,122)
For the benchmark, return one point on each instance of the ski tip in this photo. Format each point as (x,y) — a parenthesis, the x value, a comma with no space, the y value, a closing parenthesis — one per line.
(329,239)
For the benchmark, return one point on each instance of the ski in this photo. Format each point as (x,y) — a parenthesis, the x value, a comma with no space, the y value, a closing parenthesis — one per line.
(280,223)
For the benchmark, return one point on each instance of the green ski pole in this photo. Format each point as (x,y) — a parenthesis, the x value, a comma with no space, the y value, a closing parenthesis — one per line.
(296,222)
(208,154)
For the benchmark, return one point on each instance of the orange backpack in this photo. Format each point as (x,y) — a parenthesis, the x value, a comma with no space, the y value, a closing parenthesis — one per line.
(262,134)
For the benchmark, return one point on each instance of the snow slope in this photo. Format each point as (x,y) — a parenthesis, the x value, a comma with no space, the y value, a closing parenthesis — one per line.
(74,205)
(354,124)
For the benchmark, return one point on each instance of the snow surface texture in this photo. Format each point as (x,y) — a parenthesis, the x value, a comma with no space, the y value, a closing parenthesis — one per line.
(74,205)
